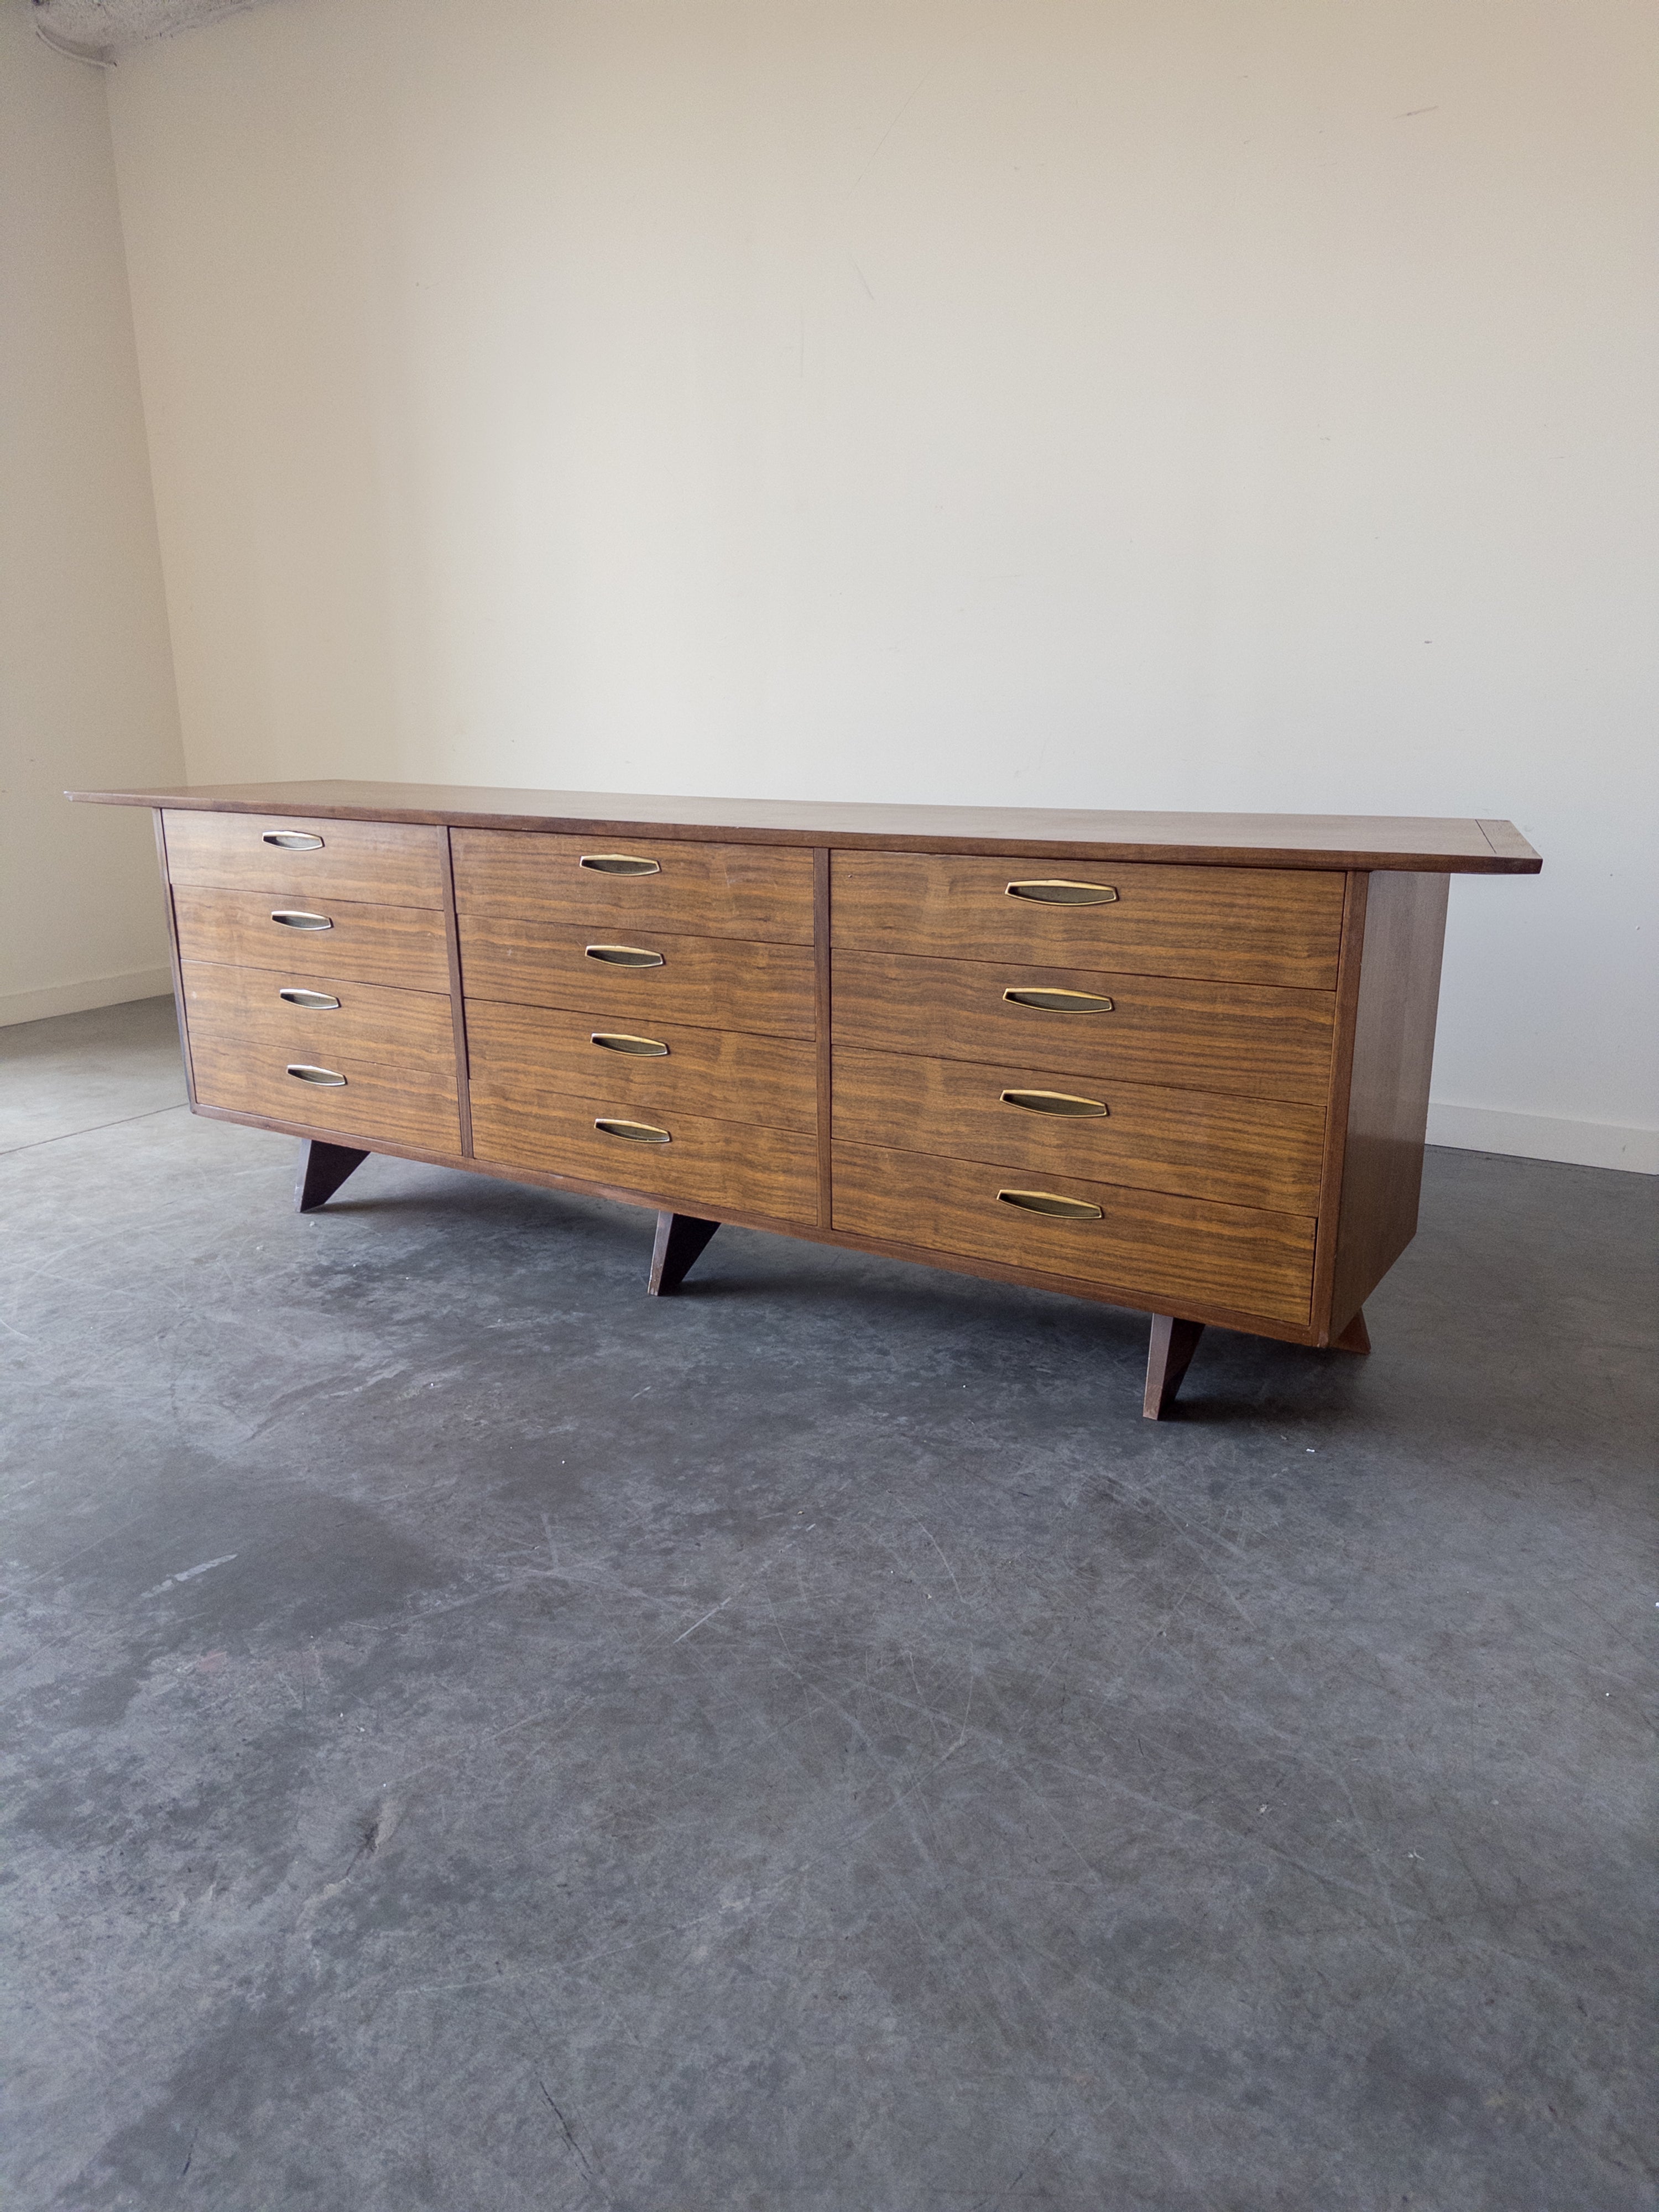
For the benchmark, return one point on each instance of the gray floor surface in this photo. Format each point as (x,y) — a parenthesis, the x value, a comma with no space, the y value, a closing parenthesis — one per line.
(485,1739)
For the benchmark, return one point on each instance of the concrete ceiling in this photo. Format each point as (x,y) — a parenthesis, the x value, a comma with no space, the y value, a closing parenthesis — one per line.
(96,30)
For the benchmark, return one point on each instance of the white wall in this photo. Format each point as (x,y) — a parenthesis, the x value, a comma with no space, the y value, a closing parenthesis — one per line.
(86,674)
(1207,403)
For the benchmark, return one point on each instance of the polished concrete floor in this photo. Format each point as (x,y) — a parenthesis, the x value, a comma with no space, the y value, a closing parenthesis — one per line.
(486,1740)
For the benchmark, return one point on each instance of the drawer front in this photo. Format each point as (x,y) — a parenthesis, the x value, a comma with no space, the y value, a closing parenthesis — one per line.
(520,1055)
(406,947)
(1155,1250)
(1227,925)
(704,983)
(1244,1039)
(631,884)
(375,863)
(706,1167)
(1200,1143)
(395,1048)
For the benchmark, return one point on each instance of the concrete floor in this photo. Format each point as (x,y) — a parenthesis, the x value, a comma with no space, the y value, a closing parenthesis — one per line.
(487,1740)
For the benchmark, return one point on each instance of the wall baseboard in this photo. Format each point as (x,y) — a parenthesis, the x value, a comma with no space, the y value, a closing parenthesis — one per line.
(1541,1136)
(38,1006)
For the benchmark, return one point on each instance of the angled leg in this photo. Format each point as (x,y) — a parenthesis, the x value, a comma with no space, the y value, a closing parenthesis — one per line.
(1169,1356)
(680,1238)
(323,1169)
(1355,1338)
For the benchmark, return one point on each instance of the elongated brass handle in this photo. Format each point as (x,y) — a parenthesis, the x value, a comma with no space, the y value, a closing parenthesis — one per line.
(618,864)
(625,956)
(1060,1002)
(316,1002)
(1056,1102)
(1057,892)
(637,1133)
(616,1040)
(325,1078)
(1051,1202)
(291,919)
(292,841)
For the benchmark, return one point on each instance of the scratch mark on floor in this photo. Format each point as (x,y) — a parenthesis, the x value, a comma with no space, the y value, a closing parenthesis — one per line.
(594,2180)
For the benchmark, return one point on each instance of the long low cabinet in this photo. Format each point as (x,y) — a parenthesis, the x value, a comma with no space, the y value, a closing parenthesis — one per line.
(1178,1063)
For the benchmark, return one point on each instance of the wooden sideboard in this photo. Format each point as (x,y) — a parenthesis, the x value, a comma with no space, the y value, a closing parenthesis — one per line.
(1178,1062)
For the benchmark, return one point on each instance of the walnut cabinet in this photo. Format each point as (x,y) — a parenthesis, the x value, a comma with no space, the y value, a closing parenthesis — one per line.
(1178,1063)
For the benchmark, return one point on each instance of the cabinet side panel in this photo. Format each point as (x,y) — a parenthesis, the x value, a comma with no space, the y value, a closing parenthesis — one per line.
(1389,1093)
(457,1003)
(824,1073)
(172,948)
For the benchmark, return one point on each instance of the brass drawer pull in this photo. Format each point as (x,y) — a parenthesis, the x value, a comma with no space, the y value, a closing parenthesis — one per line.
(1059,893)
(1056,1102)
(618,864)
(1060,1002)
(316,1002)
(325,1078)
(638,1133)
(292,841)
(614,1041)
(1050,1202)
(625,956)
(290,919)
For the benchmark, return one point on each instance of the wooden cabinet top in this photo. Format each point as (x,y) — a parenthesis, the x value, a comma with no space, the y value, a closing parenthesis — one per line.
(1430,844)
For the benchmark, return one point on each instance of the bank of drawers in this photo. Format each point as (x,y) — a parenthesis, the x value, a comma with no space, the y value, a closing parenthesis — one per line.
(332,1053)
(316,971)
(642,1014)
(1113,1072)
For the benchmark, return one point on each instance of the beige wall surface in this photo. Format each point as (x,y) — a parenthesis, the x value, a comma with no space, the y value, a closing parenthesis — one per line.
(86,673)
(1143,402)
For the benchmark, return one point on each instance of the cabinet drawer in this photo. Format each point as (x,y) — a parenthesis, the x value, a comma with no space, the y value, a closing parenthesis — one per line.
(608,884)
(1200,1143)
(519,1054)
(706,1167)
(1248,1039)
(395,1048)
(704,983)
(1171,1254)
(388,863)
(403,946)
(1227,925)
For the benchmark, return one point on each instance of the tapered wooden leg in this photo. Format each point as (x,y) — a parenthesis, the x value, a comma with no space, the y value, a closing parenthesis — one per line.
(1169,1356)
(1355,1338)
(323,1169)
(680,1238)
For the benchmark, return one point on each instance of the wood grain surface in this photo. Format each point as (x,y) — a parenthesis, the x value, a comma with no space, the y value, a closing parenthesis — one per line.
(520,1055)
(758,892)
(406,947)
(160,820)
(378,863)
(1165,1252)
(812,1233)
(1387,1105)
(707,982)
(820,994)
(395,1048)
(452,959)
(1241,1151)
(709,1166)
(1230,925)
(1251,1039)
(1458,845)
